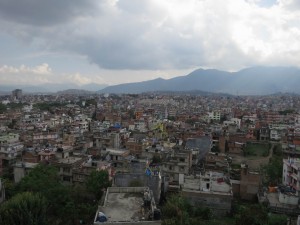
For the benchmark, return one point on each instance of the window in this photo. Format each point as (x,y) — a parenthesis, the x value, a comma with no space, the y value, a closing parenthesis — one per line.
(67,170)
(67,179)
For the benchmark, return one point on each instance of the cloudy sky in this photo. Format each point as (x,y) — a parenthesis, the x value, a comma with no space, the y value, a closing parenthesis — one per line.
(117,41)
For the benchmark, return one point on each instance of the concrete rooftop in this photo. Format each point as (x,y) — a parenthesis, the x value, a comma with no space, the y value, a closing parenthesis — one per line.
(123,207)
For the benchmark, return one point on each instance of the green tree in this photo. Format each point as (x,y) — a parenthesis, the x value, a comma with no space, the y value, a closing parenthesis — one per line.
(44,179)
(2,108)
(97,181)
(273,171)
(179,211)
(40,179)
(276,219)
(24,209)
(252,215)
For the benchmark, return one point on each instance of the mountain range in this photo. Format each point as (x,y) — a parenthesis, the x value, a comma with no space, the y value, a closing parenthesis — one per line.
(50,88)
(250,81)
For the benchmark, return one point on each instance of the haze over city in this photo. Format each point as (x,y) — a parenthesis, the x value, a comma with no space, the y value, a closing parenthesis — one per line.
(120,41)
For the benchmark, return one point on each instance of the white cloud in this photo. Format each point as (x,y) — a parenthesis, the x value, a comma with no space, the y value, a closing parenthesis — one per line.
(122,36)
(42,74)
(42,69)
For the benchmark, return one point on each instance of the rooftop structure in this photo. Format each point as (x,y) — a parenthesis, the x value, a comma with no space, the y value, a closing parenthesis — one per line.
(211,190)
(130,205)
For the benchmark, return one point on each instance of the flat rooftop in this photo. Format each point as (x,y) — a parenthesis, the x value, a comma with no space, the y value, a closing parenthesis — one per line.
(116,151)
(214,184)
(123,207)
(69,160)
(126,206)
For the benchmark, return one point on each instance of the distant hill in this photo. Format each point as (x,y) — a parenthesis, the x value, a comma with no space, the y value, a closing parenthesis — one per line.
(250,81)
(50,88)
(74,92)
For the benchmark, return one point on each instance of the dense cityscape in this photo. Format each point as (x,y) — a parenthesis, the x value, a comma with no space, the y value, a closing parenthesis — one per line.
(130,112)
(152,158)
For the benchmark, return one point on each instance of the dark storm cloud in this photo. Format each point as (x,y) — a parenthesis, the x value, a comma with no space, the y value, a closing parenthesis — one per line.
(45,12)
(140,35)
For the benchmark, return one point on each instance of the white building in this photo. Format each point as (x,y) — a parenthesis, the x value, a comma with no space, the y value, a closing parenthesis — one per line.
(291,174)
(214,115)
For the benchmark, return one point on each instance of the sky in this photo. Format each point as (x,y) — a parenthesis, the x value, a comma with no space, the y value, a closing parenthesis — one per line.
(120,41)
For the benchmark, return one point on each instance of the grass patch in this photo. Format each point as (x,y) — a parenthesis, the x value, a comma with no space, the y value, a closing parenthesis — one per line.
(257,149)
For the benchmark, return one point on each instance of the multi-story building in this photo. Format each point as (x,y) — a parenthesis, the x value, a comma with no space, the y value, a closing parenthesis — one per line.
(177,164)
(16,94)
(212,190)
(67,166)
(214,115)
(9,138)
(291,174)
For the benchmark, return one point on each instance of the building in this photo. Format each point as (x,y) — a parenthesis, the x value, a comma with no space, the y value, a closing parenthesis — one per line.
(67,166)
(212,190)
(143,174)
(129,205)
(21,169)
(177,163)
(285,198)
(248,185)
(214,115)
(291,174)
(200,146)
(217,162)
(16,94)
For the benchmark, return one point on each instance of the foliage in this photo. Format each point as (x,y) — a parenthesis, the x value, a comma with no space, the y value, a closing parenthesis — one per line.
(12,124)
(13,105)
(44,179)
(287,111)
(10,187)
(24,208)
(67,204)
(40,179)
(89,102)
(276,219)
(46,106)
(97,181)
(273,171)
(277,151)
(172,118)
(251,215)
(178,210)
(2,108)
(256,150)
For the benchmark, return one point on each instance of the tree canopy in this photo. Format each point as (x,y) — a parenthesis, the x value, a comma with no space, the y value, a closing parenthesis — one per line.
(67,204)
(24,209)
(2,108)
(97,181)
